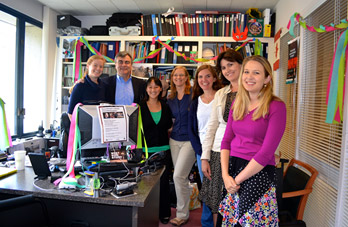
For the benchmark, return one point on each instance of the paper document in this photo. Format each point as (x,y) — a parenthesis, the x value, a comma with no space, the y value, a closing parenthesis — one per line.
(113,123)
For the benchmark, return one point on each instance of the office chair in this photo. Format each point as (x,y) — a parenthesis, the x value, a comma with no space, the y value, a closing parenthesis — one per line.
(296,187)
(64,136)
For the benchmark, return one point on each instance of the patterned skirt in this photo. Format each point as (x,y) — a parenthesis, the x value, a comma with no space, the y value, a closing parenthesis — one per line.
(211,191)
(255,203)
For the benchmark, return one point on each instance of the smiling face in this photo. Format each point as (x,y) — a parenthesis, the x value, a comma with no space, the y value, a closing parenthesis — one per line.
(254,77)
(230,70)
(95,69)
(123,66)
(153,90)
(179,78)
(206,79)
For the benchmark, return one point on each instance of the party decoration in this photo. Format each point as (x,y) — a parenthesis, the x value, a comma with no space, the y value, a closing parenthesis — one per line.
(5,136)
(239,36)
(322,28)
(336,84)
(77,66)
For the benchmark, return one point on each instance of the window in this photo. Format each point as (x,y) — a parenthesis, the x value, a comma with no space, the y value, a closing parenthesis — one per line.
(317,143)
(22,78)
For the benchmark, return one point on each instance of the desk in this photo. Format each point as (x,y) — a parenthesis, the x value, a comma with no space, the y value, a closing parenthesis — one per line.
(66,207)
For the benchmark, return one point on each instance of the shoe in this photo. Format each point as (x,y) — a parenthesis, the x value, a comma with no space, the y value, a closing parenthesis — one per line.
(164,220)
(178,221)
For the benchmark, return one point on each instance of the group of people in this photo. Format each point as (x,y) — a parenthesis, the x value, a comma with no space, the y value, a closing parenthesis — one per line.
(230,124)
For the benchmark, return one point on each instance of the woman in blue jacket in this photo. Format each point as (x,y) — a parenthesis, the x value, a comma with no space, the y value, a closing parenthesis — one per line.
(183,156)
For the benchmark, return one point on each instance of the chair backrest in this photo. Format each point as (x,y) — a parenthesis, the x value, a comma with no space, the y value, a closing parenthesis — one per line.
(297,185)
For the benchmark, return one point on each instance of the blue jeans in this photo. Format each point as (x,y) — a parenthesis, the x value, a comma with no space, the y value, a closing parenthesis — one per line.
(207,216)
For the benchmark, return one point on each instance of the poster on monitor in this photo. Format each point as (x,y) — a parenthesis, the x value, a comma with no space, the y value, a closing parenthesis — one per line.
(113,123)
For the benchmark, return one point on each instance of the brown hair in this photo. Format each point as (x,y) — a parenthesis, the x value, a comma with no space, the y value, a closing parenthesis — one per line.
(229,55)
(173,91)
(197,90)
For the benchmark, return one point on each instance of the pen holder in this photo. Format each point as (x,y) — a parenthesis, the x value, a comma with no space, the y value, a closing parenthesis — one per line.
(92,184)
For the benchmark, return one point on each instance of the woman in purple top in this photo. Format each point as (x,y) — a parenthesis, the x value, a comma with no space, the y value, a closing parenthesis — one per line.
(254,129)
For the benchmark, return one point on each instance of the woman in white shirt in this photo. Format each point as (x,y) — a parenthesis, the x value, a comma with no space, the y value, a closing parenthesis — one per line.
(205,86)
(229,65)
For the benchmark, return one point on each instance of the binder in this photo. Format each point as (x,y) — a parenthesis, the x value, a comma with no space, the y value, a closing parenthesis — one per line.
(111,49)
(180,50)
(174,55)
(187,49)
(169,55)
(163,55)
(154,26)
(194,26)
(193,52)
(177,26)
(84,53)
(159,22)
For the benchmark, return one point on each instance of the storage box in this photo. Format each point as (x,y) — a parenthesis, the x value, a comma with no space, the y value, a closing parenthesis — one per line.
(130,30)
(64,21)
(255,27)
(98,30)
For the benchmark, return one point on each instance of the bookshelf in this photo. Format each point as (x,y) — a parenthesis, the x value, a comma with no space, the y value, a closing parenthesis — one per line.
(64,78)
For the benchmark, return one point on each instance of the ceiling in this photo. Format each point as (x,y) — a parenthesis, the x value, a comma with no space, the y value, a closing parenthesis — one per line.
(108,7)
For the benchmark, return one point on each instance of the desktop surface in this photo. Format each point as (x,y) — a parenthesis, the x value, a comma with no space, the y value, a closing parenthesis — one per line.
(21,183)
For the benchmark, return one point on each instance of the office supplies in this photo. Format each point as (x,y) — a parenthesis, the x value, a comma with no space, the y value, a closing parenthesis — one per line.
(5,171)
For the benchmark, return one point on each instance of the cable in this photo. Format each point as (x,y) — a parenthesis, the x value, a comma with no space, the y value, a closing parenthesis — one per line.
(40,188)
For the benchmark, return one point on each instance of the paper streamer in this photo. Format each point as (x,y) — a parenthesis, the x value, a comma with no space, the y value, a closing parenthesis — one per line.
(336,83)
(322,28)
(77,66)
(5,136)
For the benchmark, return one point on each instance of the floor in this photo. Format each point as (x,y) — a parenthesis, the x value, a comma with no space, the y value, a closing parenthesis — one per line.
(194,221)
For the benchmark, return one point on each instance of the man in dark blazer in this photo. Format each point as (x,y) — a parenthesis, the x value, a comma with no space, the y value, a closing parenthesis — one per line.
(123,89)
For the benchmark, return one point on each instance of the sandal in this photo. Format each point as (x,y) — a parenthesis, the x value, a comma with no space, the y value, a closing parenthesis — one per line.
(178,221)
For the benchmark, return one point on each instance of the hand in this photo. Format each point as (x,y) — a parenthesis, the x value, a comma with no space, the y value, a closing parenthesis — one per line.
(82,80)
(277,158)
(231,185)
(206,169)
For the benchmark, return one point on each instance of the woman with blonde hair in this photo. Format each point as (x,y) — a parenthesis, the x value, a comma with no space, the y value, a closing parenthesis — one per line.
(254,129)
(93,89)
(183,156)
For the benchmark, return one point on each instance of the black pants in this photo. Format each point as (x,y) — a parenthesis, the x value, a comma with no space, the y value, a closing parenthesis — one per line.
(164,206)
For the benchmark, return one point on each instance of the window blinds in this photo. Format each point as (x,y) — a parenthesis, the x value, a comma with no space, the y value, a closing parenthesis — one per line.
(318,143)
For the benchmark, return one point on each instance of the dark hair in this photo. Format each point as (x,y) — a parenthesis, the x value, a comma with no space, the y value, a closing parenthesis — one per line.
(229,55)
(157,82)
(197,90)
(123,54)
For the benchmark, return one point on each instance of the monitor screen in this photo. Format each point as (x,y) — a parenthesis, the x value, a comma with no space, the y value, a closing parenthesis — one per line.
(90,129)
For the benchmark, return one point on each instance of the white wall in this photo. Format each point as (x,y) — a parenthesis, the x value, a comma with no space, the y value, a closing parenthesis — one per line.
(31,8)
(286,8)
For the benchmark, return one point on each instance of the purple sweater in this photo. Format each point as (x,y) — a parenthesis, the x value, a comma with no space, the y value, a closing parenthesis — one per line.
(258,140)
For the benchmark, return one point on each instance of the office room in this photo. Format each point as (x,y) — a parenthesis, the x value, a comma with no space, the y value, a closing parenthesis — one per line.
(34,93)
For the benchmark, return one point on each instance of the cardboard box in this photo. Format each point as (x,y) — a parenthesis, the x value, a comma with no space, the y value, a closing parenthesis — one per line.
(255,27)
(64,21)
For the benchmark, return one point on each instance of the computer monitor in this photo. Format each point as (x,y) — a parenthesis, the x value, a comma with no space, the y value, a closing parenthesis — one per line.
(88,122)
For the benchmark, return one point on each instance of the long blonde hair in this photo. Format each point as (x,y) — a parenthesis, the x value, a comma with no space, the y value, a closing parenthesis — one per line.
(89,62)
(240,106)
(173,91)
